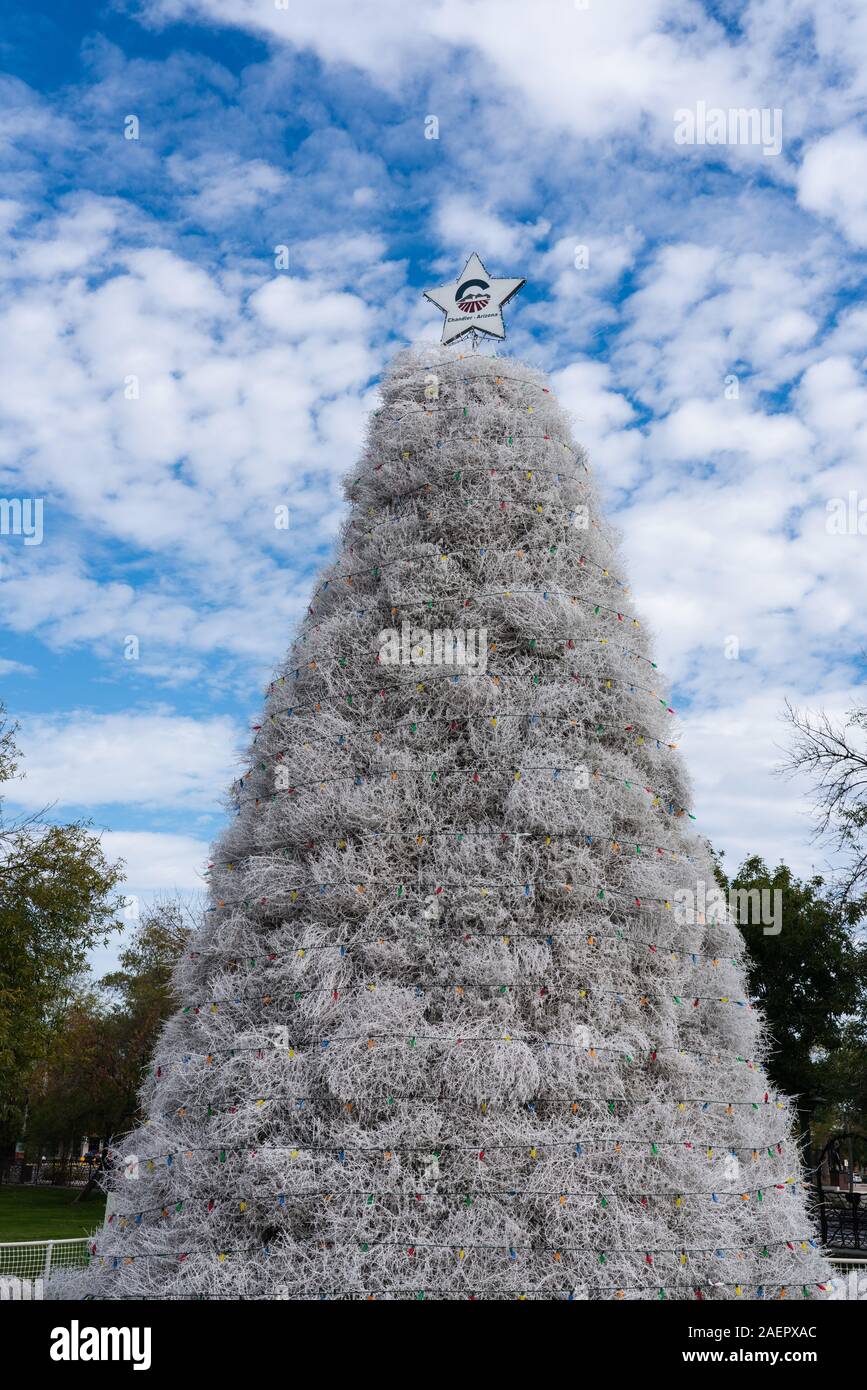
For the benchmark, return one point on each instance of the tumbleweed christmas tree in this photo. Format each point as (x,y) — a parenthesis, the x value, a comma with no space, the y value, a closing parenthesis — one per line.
(450,1030)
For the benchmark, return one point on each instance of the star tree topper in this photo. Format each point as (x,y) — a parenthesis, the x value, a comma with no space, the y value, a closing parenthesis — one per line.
(473,301)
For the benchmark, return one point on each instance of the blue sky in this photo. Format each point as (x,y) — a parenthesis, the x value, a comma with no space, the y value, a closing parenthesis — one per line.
(163,386)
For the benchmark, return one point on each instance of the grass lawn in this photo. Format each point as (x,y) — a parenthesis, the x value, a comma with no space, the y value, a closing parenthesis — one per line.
(47,1213)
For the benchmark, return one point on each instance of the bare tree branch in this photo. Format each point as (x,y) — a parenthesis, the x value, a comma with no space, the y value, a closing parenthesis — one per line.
(834,757)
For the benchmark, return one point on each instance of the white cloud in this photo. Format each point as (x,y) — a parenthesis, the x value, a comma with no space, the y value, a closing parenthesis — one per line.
(705,429)
(703,314)
(735,751)
(157,863)
(833,397)
(603,420)
(80,235)
(832,181)
(154,760)
(171,410)
(292,312)
(218,187)
(596,72)
(464,226)
(556,129)
(377,35)
(15,668)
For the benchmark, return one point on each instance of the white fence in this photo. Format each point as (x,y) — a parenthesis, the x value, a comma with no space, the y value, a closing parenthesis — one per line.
(25,1265)
(850,1280)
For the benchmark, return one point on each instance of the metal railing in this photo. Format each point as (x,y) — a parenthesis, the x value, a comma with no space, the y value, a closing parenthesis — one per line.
(842,1221)
(49,1172)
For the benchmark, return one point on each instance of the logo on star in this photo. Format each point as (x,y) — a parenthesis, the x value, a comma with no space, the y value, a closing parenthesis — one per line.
(473,303)
(472,296)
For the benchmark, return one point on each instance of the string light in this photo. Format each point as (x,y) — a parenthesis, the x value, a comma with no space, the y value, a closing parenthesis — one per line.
(619,1291)
(566,641)
(602,1253)
(359,778)
(321,887)
(460,991)
(406,461)
(219,1154)
(496,711)
(374,571)
(471,502)
(427,601)
(591,1050)
(617,1106)
(556,839)
(415,410)
(231,1211)
(591,939)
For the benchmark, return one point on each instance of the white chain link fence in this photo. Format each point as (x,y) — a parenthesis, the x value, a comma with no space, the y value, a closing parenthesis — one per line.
(25,1265)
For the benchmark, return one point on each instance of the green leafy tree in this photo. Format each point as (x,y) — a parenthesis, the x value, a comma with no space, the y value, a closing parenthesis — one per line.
(843,1107)
(811,983)
(90,1082)
(57,901)
(142,996)
(77,1090)
(142,984)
